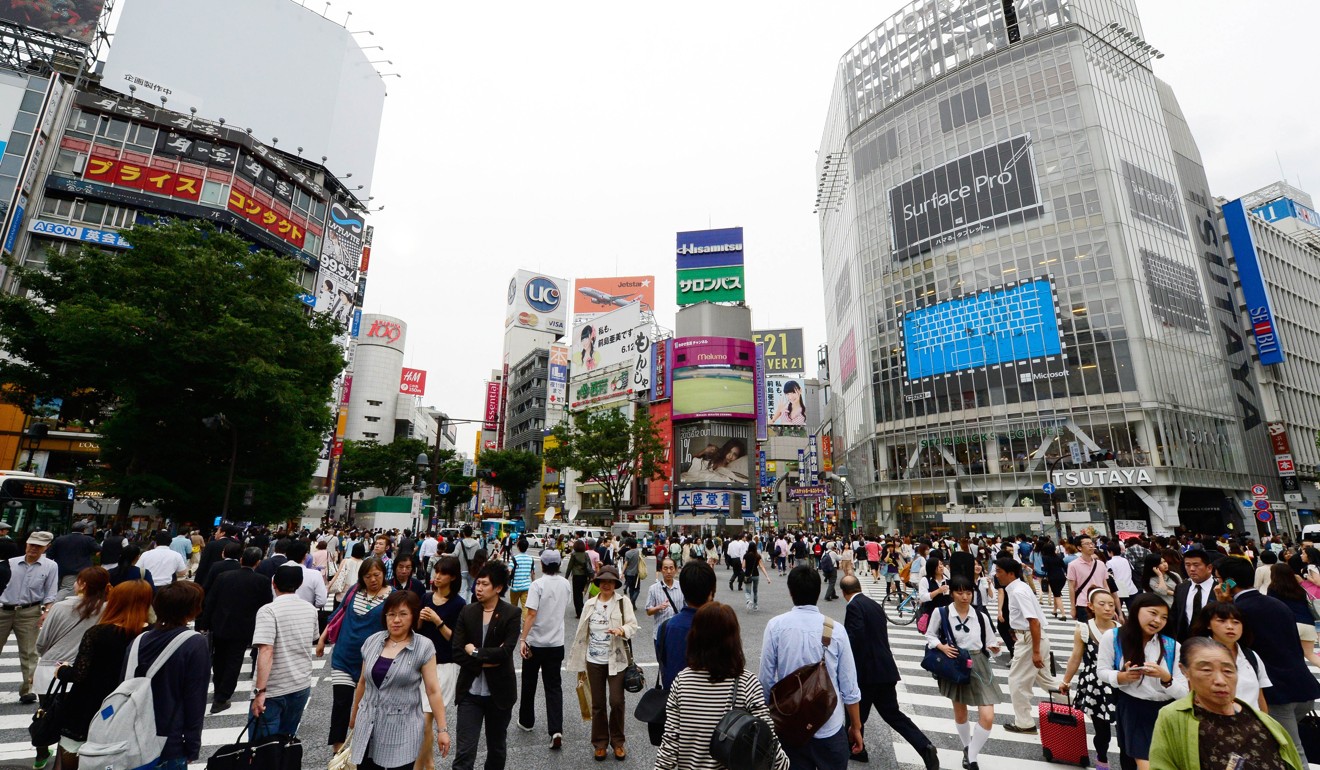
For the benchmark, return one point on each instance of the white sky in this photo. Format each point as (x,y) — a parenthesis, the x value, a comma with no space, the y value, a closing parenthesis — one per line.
(576,138)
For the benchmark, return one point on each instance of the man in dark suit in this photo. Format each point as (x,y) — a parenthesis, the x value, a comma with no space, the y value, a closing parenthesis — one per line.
(229,613)
(213,551)
(487,687)
(268,566)
(233,549)
(1277,644)
(877,675)
(1194,593)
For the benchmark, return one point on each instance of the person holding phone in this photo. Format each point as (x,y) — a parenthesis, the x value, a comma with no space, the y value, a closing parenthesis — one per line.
(1138,662)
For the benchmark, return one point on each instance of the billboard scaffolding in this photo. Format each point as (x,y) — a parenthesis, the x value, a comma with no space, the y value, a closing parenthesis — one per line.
(47,37)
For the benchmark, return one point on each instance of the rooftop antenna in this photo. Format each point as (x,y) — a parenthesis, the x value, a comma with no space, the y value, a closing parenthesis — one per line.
(1279,160)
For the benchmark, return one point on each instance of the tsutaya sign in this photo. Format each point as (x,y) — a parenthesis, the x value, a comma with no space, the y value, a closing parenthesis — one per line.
(1104,477)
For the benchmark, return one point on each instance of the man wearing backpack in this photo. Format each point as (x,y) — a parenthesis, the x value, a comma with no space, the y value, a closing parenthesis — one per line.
(793,640)
(465,549)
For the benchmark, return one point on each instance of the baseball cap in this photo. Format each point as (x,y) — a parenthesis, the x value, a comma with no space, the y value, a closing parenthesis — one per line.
(4,525)
(40,538)
(551,556)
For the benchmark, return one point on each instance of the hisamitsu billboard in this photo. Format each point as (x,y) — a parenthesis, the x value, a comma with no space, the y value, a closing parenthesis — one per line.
(974,194)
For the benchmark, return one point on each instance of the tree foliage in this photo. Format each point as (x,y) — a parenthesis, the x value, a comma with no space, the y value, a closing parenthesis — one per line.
(516,471)
(391,468)
(607,448)
(189,323)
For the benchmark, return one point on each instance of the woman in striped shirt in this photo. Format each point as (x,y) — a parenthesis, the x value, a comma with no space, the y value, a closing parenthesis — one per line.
(700,694)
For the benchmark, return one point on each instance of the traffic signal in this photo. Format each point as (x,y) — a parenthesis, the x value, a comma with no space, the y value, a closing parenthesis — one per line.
(1097,457)
(485,473)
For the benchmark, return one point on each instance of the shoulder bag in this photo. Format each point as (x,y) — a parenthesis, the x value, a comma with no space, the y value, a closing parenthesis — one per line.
(956,670)
(45,727)
(274,752)
(805,699)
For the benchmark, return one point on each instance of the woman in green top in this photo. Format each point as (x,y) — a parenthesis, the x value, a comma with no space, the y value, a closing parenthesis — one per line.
(1211,728)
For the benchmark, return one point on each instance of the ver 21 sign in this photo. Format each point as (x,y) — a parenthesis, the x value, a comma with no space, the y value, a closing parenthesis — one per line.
(974,194)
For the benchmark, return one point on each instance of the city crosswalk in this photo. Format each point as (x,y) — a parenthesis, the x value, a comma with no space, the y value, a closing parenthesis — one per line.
(918,696)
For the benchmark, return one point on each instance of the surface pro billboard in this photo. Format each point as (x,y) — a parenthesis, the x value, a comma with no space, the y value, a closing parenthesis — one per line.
(974,194)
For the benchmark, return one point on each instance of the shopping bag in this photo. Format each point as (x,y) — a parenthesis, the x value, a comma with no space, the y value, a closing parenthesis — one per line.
(584,696)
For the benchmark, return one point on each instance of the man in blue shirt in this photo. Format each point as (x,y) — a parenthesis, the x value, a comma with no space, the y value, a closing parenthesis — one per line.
(697,584)
(792,640)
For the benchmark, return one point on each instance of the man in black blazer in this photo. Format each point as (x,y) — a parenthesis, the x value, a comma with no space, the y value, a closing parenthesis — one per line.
(229,613)
(1186,602)
(233,549)
(484,640)
(1294,689)
(877,675)
(213,551)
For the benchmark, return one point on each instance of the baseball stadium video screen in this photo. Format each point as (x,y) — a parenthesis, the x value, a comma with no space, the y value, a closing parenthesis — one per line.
(997,326)
(714,392)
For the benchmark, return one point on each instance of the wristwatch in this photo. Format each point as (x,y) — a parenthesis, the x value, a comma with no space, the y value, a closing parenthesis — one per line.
(259,691)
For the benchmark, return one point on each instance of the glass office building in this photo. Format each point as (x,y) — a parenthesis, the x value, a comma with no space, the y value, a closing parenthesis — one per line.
(1017,290)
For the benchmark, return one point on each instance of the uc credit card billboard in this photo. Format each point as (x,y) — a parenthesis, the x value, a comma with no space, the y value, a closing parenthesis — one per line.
(974,194)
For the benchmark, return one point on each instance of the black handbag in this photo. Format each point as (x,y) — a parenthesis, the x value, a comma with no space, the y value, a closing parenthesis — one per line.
(45,727)
(1308,728)
(633,678)
(275,752)
(956,670)
(651,710)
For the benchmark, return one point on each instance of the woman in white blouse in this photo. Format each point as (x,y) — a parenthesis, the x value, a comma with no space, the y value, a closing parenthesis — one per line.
(974,632)
(1225,623)
(1140,664)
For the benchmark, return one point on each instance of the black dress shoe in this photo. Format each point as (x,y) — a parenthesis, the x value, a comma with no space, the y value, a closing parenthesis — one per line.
(219,706)
(28,699)
(1013,728)
(932,757)
(860,756)
(965,762)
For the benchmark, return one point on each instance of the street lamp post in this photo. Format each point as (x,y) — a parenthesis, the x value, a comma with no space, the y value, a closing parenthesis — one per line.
(215,422)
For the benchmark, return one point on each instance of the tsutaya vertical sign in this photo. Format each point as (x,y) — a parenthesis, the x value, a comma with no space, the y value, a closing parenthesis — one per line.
(710,266)
(1259,308)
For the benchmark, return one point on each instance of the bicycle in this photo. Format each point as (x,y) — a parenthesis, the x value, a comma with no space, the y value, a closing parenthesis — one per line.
(904,609)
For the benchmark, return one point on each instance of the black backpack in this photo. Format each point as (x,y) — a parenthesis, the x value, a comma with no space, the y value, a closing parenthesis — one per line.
(741,740)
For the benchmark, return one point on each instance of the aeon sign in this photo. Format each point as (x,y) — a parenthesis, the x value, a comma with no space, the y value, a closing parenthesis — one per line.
(542,294)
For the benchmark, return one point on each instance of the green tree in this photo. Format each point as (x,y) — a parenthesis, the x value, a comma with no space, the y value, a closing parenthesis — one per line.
(460,486)
(391,468)
(515,471)
(605,447)
(189,324)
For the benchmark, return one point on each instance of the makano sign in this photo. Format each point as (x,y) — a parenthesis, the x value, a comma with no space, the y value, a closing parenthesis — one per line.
(974,194)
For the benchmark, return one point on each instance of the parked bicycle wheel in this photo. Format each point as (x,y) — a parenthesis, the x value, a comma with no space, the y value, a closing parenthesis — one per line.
(904,613)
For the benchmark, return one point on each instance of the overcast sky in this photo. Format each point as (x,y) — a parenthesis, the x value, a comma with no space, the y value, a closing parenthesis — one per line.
(576,138)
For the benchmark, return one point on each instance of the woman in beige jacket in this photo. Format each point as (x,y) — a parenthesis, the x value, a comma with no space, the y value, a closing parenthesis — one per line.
(600,653)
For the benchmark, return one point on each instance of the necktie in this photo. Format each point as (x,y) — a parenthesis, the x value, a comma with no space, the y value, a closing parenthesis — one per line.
(1197,602)
(960,624)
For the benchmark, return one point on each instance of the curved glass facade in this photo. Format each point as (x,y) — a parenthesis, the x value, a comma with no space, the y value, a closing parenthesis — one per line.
(1013,285)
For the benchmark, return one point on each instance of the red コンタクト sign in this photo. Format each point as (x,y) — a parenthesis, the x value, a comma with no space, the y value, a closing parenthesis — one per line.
(263,216)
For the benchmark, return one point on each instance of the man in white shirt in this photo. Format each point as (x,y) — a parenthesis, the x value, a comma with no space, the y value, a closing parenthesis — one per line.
(1026,619)
(542,646)
(430,546)
(734,552)
(164,563)
(312,590)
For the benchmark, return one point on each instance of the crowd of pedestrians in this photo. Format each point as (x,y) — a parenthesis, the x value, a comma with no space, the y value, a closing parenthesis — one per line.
(1186,652)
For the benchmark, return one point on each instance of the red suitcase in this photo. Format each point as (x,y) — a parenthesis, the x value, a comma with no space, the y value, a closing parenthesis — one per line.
(1063,733)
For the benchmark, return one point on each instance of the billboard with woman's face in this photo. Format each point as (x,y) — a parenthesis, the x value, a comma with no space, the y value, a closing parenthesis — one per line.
(714,454)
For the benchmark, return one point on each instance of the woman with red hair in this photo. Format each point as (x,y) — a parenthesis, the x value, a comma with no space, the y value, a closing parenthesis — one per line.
(95,673)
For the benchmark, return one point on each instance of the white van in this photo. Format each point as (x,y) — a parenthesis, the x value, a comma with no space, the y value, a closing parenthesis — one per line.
(1311,532)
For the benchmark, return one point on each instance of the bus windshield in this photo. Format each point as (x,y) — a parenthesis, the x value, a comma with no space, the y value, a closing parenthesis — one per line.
(31,504)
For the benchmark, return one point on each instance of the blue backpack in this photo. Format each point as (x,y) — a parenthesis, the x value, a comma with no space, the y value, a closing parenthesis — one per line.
(1169,650)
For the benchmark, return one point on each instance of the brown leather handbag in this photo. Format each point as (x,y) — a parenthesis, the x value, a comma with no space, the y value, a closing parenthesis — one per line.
(805,699)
